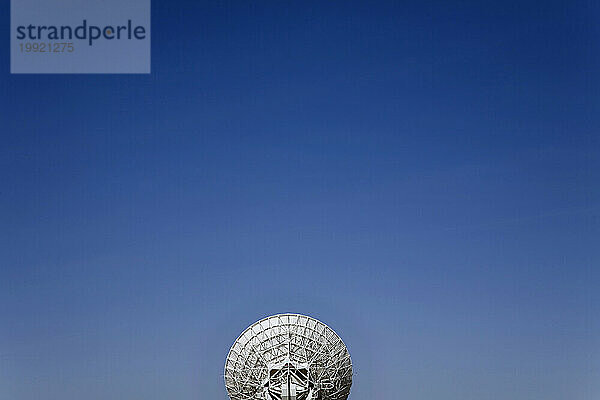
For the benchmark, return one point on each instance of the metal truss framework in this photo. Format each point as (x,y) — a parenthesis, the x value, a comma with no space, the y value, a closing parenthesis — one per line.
(288,357)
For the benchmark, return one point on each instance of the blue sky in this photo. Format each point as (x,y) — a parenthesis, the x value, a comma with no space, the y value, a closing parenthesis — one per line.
(421,176)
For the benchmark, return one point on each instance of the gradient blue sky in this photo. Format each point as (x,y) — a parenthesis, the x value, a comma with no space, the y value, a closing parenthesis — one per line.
(424,177)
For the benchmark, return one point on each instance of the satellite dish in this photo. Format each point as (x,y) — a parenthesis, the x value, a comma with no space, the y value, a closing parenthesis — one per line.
(288,357)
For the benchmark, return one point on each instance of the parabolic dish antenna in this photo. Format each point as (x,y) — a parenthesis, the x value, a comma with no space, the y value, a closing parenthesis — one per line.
(288,357)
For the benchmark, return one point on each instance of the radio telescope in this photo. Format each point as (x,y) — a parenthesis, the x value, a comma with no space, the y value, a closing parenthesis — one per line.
(288,357)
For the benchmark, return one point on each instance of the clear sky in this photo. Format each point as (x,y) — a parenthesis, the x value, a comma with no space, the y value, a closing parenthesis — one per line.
(424,177)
